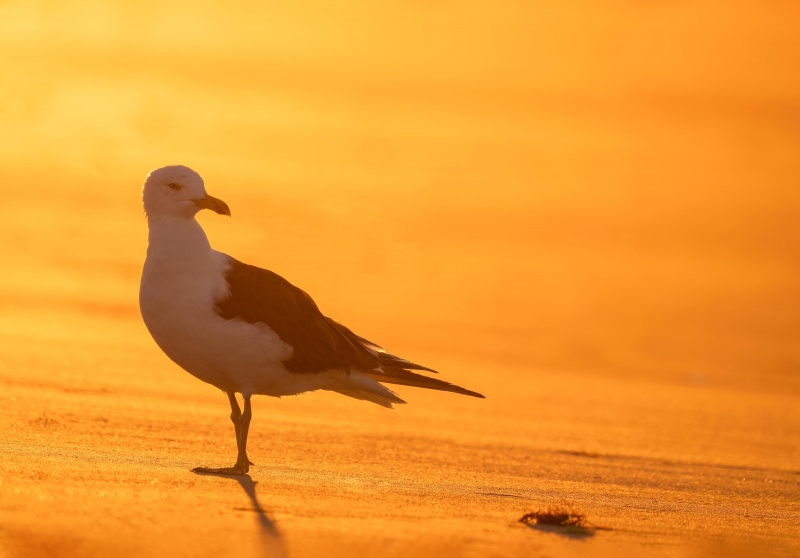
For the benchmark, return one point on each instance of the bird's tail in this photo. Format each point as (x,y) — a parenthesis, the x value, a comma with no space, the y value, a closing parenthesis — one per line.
(361,386)
(401,376)
(396,370)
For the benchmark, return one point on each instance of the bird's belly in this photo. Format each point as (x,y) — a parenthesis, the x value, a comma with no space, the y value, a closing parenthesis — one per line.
(229,354)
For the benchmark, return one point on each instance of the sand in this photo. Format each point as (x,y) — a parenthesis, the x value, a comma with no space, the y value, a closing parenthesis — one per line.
(97,457)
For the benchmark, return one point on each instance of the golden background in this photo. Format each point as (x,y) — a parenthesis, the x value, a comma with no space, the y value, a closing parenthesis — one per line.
(533,198)
(603,187)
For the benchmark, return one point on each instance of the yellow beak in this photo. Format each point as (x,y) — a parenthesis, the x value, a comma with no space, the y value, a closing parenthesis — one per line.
(214,204)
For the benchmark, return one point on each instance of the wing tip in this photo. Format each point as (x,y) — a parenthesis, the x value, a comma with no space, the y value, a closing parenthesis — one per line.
(469,392)
(400,376)
(394,360)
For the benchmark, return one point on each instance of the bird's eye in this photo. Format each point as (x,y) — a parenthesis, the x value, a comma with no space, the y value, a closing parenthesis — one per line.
(174,186)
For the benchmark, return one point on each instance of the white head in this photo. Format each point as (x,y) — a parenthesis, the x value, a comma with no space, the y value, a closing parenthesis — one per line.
(178,191)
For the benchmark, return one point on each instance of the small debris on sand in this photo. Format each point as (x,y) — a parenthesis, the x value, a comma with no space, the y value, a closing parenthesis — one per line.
(561,515)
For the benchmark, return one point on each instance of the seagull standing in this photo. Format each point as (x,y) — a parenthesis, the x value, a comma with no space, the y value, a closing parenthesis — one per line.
(244,329)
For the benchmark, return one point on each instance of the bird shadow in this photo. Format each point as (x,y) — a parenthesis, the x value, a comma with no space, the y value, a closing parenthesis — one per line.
(271,538)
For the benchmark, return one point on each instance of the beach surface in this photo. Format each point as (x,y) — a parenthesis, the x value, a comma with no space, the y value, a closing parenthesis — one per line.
(97,457)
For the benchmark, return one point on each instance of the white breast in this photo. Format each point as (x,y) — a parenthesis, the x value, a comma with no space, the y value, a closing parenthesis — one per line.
(181,282)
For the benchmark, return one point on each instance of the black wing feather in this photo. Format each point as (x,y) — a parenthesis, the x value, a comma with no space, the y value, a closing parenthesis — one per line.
(261,296)
(320,343)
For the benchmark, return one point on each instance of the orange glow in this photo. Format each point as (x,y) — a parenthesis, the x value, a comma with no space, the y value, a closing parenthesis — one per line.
(609,190)
(568,187)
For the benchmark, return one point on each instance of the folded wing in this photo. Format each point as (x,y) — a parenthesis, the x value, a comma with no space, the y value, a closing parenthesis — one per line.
(320,343)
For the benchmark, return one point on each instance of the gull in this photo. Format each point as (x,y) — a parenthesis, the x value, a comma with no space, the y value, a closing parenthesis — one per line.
(244,329)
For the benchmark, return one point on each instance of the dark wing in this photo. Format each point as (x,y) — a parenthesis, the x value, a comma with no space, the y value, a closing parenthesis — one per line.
(261,296)
(320,343)
(403,377)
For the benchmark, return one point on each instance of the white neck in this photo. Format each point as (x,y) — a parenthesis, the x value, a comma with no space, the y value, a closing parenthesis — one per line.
(176,235)
(180,263)
(182,278)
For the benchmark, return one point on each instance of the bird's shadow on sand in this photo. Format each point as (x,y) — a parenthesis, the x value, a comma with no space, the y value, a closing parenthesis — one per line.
(271,537)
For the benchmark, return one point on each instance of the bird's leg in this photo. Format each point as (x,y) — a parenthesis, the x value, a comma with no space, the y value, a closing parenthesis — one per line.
(241,425)
(244,428)
(236,415)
